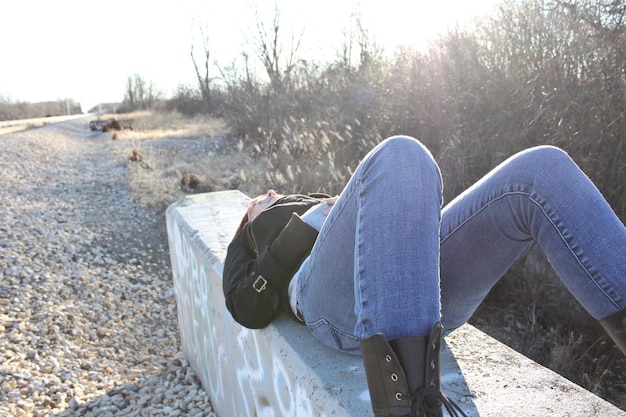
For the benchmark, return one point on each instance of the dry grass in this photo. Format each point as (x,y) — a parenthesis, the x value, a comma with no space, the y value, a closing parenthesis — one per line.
(169,156)
(148,125)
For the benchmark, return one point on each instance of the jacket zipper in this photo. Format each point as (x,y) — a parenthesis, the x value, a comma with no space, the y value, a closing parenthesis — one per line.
(252,241)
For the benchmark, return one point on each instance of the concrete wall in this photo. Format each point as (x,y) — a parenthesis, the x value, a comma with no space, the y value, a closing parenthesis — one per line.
(283,371)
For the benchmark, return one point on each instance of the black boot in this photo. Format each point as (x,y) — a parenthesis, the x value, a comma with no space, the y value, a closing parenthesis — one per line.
(615,326)
(404,376)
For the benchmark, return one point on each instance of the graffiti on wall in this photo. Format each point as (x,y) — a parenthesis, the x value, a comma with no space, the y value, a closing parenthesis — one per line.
(242,375)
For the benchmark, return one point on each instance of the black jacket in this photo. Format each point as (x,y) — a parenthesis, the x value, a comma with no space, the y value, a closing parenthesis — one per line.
(262,259)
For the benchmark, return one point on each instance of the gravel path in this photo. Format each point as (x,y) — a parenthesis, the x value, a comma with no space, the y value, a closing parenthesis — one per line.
(88,322)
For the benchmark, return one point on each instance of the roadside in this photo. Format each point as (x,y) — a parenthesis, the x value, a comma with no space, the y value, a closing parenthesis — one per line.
(12,126)
(88,322)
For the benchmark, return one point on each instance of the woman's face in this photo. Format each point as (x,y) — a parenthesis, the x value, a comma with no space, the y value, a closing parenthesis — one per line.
(260,203)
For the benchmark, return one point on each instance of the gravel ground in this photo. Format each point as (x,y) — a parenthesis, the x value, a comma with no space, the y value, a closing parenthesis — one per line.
(88,323)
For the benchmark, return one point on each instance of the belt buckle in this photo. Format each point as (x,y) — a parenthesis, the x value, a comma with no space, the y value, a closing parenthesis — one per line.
(260,284)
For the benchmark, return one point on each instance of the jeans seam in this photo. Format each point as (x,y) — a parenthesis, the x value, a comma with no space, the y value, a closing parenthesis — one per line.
(358,301)
(571,250)
(480,210)
(554,225)
(305,277)
(335,331)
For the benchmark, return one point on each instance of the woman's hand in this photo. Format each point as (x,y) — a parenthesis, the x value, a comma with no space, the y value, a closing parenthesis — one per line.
(330,202)
(316,215)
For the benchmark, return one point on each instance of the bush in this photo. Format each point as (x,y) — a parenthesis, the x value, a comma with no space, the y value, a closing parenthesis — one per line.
(536,73)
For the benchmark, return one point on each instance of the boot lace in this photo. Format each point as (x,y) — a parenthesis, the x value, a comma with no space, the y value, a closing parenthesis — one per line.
(429,400)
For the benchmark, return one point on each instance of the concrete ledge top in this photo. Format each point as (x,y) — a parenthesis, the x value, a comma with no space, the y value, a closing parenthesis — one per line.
(485,377)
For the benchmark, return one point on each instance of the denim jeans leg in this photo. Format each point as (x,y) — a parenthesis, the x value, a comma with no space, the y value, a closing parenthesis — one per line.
(539,195)
(375,265)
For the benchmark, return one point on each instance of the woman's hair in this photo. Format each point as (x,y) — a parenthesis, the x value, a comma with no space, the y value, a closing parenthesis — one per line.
(246,216)
(244,221)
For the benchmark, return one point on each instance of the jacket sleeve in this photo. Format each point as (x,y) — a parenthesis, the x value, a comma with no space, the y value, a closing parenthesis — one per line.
(253,285)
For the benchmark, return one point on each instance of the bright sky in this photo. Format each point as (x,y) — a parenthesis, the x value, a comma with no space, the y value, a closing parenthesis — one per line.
(86,50)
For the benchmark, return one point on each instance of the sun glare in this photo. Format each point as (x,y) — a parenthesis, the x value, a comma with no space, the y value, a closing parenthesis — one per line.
(104,46)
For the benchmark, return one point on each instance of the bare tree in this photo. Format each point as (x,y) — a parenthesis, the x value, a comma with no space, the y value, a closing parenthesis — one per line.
(129,94)
(140,89)
(269,49)
(152,95)
(140,93)
(203,77)
(358,40)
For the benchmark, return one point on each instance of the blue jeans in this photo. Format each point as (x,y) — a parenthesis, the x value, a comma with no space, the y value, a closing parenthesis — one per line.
(388,259)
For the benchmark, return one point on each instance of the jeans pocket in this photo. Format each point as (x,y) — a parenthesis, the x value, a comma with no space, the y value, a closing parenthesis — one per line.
(332,337)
